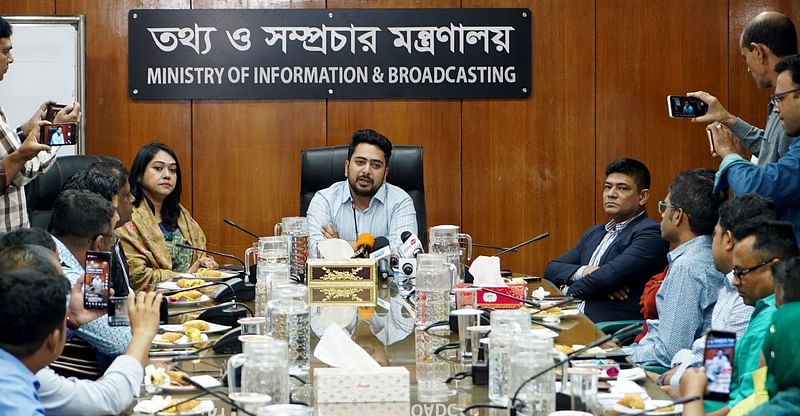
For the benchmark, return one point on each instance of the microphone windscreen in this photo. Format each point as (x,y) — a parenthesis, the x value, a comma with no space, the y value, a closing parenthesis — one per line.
(365,239)
(405,236)
(380,242)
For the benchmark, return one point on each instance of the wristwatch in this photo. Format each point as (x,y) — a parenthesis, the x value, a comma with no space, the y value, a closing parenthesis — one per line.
(21,134)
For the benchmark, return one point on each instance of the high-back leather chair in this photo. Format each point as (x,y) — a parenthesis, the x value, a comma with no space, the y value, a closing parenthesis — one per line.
(323,166)
(41,193)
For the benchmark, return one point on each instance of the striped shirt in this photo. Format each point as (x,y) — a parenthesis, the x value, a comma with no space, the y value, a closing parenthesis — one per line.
(13,209)
(684,302)
(390,212)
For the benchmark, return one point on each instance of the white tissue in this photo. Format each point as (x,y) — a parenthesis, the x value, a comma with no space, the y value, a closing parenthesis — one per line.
(337,349)
(334,249)
(540,293)
(486,271)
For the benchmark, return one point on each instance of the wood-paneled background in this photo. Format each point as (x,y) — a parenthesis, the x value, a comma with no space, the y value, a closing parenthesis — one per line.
(504,170)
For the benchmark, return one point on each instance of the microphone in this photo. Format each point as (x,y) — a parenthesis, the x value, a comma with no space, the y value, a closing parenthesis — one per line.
(569,358)
(381,249)
(541,236)
(239,227)
(224,398)
(411,245)
(216,253)
(227,313)
(364,245)
(674,403)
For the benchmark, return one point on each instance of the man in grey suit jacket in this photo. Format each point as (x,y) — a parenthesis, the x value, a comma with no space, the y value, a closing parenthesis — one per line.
(611,263)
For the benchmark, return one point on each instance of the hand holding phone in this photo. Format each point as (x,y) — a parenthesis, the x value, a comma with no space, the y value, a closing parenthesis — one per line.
(52,110)
(679,106)
(718,363)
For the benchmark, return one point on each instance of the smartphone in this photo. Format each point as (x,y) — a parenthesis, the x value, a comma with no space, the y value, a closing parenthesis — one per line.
(97,268)
(52,110)
(718,361)
(685,107)
(118,311)
(63,134)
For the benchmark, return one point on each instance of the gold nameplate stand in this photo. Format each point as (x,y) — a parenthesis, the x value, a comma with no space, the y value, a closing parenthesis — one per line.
(343,282)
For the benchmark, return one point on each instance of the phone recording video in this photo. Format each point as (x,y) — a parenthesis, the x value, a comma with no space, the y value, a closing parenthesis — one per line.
(685,107)
(718,361)
(97,268)
(59,134)
(52,110)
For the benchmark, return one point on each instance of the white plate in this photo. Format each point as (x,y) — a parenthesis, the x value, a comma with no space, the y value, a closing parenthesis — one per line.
(180,342)
(168,286)
(649,404)
(632,374)
(204,407)
(212,328)
(544,333)
(204,380)
(561,313)
(201,299)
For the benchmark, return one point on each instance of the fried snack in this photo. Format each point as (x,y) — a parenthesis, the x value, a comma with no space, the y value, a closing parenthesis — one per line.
(189,295)
(187,283)
(209,272)
(549,312)
(171,336)
(176,377)
(665,410)
(158,378)
(197,323)
(564,349)
(183,407)
(632,400)
(194,334)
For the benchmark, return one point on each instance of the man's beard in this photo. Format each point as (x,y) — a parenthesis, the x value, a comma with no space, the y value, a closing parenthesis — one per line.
(370,192)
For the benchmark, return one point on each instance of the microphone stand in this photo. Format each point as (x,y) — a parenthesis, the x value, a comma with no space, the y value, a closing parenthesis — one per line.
(541,236)
(239,227)
(492,247)
(217,253)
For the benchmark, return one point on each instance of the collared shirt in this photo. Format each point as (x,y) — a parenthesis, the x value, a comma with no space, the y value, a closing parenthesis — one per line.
(684,302)
(747,354)
(13,210)
(18,388)
(613,229)
(112,394)
(390,212)
(730,314)
(110,340)
(769,143)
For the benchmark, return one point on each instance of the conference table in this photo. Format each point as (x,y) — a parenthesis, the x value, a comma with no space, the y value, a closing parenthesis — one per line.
(577,329)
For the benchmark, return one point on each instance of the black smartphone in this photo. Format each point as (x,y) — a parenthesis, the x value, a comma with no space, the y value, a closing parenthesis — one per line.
(685,107)
(118,311)
(97,268)
(718,361)
(63,134)
(52,110)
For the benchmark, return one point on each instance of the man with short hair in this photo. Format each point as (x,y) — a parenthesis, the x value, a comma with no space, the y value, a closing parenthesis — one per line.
(730,313)
(619,255)
(83,222)
(692,283)
(22,157)
(364,202)
(778,181)
(32,235)
(766,39)
(124,201)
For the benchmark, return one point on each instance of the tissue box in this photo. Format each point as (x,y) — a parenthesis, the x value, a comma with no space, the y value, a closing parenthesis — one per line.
(350,409)
(493,300)
(373,385)
(341,282)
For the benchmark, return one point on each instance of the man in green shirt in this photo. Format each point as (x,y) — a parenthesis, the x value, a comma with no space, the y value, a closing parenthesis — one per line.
(760,244)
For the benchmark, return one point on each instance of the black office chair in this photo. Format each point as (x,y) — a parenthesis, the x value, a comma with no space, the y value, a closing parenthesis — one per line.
(323,166)
(41,193)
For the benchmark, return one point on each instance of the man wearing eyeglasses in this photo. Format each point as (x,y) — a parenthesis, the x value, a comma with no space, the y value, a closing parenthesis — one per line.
(82,222)
(766,39)
(778,181)
(692,283)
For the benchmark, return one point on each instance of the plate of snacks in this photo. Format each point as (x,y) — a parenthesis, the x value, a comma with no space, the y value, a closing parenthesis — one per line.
(632,403)
(190,297)
(156,403)
(203,326)
(211,274)
(176,339)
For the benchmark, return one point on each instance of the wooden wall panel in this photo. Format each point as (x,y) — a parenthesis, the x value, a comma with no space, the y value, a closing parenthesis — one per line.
(247,155)
(115,124)
(433,124)
(27,7)
(746,100)
(646,51)
(528,164)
